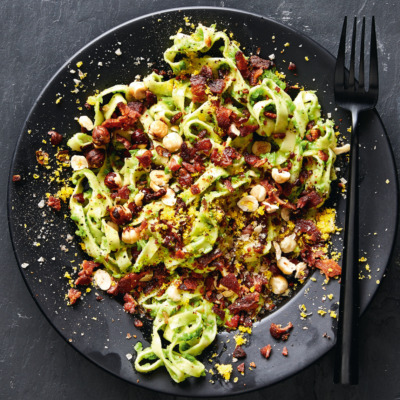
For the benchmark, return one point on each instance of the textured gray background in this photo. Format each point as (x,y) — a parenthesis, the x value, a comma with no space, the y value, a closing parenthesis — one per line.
(36,37)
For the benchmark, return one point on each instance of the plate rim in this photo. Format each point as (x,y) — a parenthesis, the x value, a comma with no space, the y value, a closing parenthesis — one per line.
(53,79)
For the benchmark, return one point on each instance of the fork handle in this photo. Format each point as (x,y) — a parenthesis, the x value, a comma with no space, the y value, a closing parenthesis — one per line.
(346,361)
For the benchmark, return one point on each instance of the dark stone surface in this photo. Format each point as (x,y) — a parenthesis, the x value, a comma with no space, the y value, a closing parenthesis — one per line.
(36,38)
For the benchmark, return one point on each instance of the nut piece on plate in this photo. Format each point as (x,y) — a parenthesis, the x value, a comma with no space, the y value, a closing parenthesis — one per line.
(79,162)
(95,158)
(259,192)
(86,122)
(102,279)
(130,235)
(101,136)
(159,129)
(288,244)
(286,266)
(280,177)
(343,149)
(138,90)
(113,180)
(279,284)
(169,199)
(120,215)
(55,138)
(159,178)
(172,142)
(248,204)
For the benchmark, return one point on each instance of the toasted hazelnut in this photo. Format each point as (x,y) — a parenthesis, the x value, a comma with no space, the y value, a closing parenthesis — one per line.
(248,203)
(343,149)
(113,180)
(169,199)
(300,268)
(55,138)
(79,162)
(259,192)
(85,122)
(100,136)
(102,279)
(159,129)
(270,208)
(288,244)
(172,142)
(279,284)
(95,158)
(159,178)
(280,177)
(130,235)
(138,90)
(260,148)
(286,266)
(120,215)
(139,199)
(278,251)
(233,131)
(285,214)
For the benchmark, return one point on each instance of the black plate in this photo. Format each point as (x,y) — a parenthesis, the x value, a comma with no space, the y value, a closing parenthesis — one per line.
(98,330)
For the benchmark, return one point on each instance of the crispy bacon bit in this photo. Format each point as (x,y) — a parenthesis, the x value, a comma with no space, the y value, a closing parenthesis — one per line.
(258,62)
(163,152)
(266,351)
(139,138)
(228,184)
(55,138)
(88,267)
(225,158)
(285,352)
(138,323)
(54,203)
(42,157)
(216,86)
(145,159)
(233,322)
(223,117)
(184,179)
(126,143)
(195,189)
(73,295)
(189,284)
(150,194)
(242,64)
(270,115)
(187,153)
(249,302)
(16,178)
(83,280)
(137,106)
(203,145)
(203,261)
(323,156)
(240,368)
(126,284)
(125,121)
(151,98)
(308,227)
(173,165)
(253,160)
(329,267)
(239,352)
(198,88)
(292,66)
(278,332)
(129,304)
(206,71)
(124,192)
(220,313)
(247,129)
(255,74)
(230,282)
(309,200)
(189,167)
(313,135)
(175,118)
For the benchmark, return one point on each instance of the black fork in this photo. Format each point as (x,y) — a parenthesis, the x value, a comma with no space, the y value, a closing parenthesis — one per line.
(354,97)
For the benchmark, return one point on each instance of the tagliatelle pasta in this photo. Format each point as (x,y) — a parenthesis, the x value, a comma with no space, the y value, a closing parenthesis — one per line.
(200,193)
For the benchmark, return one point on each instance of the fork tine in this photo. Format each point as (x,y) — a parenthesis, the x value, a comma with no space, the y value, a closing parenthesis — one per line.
(361,70)
(353,55)
(373,64)
(339,68)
